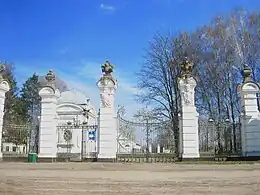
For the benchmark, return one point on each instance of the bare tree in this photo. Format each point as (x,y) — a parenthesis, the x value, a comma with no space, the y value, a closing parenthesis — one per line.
(157,81)
(219,51)
(158,78)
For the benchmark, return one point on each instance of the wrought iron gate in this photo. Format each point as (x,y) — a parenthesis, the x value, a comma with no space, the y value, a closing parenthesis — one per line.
(76,142)
(144,141)
(219,138)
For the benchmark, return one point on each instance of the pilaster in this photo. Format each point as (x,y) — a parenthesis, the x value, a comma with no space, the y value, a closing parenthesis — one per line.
(4,87)
(189,133)
(107,132)
(250,119)
(48,125)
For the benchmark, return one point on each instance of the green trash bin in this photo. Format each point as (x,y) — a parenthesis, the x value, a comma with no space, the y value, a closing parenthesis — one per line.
(32,157)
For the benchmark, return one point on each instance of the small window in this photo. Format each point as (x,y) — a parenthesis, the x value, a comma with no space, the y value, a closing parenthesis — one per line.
(14,149)
(7,148)
(126,145)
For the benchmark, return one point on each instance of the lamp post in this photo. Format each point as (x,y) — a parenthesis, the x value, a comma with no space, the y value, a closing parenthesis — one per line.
(211,123)
(227,136)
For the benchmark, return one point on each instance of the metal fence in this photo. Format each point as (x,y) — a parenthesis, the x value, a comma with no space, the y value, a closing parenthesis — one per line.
(20,138)
(136,141)
(148,141)
(76,142)
(18,141)
(144,141)
(219,138)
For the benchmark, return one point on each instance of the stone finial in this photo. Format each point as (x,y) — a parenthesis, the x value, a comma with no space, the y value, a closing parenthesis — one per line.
(186,67)
(246,73)
(107,68)
(50,76)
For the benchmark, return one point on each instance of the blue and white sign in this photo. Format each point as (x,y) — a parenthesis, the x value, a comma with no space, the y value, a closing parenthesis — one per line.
(92,135)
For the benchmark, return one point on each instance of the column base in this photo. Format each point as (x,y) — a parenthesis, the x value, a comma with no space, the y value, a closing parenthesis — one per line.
(254,153)
(185,156)
(108,160)
(46,158)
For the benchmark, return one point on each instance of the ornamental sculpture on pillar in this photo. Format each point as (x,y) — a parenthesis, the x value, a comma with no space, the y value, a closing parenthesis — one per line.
(107,85)
(107,142)
(189,138)
(246,73)
(187,82)
(50,78)
(107,68)
(186,67)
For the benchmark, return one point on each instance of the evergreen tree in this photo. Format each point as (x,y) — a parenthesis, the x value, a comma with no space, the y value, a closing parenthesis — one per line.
(10,119)
(30,108)
(29,95)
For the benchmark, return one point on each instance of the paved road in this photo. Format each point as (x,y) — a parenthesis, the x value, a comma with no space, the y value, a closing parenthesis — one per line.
(126,179)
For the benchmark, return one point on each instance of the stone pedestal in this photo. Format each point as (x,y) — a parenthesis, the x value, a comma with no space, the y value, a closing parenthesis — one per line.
(189,134)
(48,125)
(250,129)
(4,87)
(107,132)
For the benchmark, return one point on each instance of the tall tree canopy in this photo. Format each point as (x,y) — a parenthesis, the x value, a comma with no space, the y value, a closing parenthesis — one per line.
(219,50)
(29,95)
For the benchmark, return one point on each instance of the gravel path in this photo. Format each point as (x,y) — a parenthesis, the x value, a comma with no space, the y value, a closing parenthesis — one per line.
(126,179)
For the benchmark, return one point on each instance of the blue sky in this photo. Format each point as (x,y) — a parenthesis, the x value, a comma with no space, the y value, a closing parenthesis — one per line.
(73,37)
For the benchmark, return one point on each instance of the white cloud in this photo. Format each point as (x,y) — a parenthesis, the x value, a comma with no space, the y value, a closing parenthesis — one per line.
(125,94)
(105,7)
(90,72)
(83,77)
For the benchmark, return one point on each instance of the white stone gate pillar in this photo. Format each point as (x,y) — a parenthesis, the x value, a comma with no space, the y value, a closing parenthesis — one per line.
(48,125)
(4,87)
(250,119)
(107,133)
(189,133)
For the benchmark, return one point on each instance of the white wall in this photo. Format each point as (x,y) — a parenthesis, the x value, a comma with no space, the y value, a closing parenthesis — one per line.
(12,148)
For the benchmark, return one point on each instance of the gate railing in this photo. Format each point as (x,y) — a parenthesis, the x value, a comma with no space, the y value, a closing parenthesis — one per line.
(220,139)
(85,141)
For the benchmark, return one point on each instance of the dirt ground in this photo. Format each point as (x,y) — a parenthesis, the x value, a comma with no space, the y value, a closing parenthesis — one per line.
(126,179)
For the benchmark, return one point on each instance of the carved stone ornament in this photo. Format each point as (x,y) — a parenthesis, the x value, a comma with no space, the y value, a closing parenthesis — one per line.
(246,73)
(186,67)
(186,94)
(67,135)
(187,91)
(50,76)
(106,99)
(107,68)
